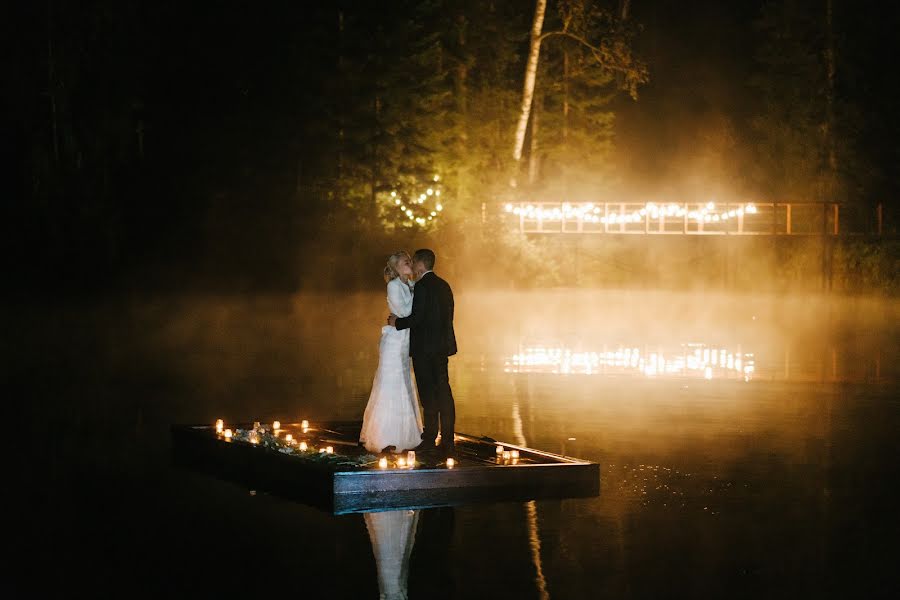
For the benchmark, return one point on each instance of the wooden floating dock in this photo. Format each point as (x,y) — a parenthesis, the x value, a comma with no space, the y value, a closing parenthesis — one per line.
(347,481)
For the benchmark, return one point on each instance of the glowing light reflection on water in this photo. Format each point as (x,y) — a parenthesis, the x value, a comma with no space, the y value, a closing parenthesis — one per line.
(692,360)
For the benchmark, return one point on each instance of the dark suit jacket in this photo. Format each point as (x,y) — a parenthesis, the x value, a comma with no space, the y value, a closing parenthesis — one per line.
(431,320)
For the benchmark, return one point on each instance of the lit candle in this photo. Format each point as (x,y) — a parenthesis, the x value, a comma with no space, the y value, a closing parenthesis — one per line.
(304,424)
(289,438)
(382,463)
(321,450)
(276,425)
(411,458)
(329,450)
(303,446)
(254,439)
(450,463)
(401,462)
(228,434)
(514,454)
(499,449)
(506,454)
(220,425)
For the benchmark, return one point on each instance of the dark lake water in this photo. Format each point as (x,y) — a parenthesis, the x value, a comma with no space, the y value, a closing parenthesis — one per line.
(748,445)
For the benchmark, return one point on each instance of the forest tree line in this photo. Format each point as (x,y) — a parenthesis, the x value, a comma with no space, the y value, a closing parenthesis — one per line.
(264,145)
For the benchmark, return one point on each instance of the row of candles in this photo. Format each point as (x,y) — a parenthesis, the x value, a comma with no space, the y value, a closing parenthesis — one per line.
(228,434)
(407,462)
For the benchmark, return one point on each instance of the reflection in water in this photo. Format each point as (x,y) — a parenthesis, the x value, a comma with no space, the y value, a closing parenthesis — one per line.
(393,535)
(534,538)
(689,360)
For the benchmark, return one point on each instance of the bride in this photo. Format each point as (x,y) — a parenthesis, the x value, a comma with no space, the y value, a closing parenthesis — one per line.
(392,415)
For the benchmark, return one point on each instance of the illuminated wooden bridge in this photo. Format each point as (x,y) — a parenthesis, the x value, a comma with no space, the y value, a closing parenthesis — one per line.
(697,218)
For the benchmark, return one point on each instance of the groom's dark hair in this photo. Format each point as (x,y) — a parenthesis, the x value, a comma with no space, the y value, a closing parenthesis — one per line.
(426,256)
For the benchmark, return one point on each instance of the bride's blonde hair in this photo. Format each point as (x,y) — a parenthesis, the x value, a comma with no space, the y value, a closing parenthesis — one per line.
(390,270)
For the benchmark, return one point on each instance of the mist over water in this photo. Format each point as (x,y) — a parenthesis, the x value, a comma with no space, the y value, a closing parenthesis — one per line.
(716,478)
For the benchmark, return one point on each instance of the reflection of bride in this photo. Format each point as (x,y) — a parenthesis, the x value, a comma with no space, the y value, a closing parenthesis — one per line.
(392,534)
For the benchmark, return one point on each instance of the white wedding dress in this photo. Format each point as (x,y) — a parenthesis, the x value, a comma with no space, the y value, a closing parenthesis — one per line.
(392,416)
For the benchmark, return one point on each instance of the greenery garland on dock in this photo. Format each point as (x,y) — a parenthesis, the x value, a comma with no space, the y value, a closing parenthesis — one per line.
(266,439)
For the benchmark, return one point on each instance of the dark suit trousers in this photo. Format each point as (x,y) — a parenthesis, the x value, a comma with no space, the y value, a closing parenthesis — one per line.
(433,383)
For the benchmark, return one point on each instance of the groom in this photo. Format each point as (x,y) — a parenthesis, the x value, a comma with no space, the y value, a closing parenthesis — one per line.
(431,342)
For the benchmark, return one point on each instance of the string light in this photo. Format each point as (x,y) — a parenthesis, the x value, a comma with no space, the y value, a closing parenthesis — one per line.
(415,201)
(590,213)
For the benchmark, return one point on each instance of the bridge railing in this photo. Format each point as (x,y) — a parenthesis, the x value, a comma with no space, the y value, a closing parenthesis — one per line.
(689,218)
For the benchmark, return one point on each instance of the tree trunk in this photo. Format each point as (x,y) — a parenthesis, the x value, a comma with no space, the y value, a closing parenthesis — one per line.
(530,77)
(534,151)
(565,123)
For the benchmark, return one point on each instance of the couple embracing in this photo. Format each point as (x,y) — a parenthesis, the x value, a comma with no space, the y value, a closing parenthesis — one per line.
(420,326)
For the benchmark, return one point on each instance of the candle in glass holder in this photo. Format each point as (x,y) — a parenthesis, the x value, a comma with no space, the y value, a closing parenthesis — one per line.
(228,434)
(500,450)
(401,462)
(304,424)
(329,449)
(276,425)
(450,463)
(289,438)
(382,463)
(506,454)
(303,446)
(411,458)
(220,425)
(514,454)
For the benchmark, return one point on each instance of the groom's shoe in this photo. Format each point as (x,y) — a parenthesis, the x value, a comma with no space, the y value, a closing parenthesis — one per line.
(425,447)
